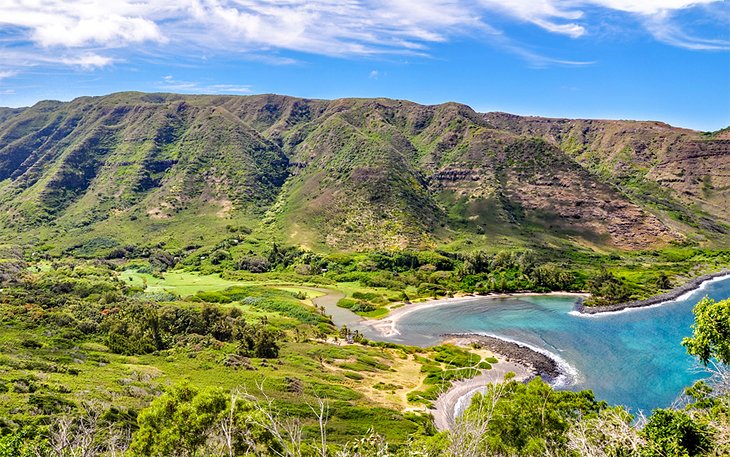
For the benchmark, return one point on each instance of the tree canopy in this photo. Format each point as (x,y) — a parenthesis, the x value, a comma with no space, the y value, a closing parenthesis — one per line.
(711,331)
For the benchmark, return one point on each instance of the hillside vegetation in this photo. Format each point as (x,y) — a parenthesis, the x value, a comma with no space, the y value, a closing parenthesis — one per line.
(99,361)
(350,174)
(162,257)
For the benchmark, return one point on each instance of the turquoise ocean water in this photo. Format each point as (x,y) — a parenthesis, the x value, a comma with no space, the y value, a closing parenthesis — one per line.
(632,358)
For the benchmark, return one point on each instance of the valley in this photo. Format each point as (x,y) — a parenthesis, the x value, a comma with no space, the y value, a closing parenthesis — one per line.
(165,257)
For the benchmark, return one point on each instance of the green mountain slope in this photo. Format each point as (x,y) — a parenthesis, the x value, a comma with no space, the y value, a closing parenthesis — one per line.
(348,174)
(678,171)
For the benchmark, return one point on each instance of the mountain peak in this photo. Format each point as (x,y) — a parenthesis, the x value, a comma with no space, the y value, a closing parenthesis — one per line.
(353,173)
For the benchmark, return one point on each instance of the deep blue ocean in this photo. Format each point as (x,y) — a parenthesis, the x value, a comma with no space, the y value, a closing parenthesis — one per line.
(632,358)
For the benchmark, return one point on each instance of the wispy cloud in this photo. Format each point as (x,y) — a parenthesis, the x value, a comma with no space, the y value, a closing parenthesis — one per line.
(570,18)
(87,61)
(169,83)
(96,33)
(664,27)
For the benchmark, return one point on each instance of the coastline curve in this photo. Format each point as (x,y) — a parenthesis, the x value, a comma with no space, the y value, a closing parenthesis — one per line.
(524,360)
(676,294)
(549,366)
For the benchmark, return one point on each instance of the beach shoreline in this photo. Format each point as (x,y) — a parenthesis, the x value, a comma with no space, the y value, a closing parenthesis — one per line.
(675,294)
(524,362)
(388,325)
(450,404)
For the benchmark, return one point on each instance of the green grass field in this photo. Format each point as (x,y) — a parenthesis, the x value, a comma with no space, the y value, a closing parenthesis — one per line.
(181,283)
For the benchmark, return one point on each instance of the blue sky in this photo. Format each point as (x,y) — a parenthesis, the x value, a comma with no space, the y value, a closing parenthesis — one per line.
(665,60)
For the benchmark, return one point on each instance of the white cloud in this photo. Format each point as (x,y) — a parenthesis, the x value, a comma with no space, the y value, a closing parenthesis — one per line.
(567,16)
(87,61)
(374,74)
(4,74)
(112,30)
(648,6)
(96,32)
(82,22)
(18,59)
(169,83)
(543,13)
(664,29)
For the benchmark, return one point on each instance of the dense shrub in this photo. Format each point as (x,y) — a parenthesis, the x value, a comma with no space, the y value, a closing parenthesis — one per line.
(606,288)
(356,306)
(253,264)
(676,433)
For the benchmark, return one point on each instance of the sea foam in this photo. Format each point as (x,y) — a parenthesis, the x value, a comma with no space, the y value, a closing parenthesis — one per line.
(569,375)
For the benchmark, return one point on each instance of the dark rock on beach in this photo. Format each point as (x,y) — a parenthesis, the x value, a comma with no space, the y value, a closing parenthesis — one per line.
(655,300)
(541,364)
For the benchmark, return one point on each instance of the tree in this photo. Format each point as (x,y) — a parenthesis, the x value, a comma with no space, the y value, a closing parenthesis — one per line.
(675,433)
(265,345)
(551,277)
(611,433)
(19,445)
(662,282)
(710,332)
(607,289)
(187,421)
(530,419)
(179,422)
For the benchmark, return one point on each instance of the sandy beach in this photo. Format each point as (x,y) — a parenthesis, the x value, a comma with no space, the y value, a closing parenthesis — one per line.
(445,407)
(388,326)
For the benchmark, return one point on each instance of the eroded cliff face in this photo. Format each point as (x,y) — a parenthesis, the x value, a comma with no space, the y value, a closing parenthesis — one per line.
(534,182)
(680,172)
(698,171)
(353,173)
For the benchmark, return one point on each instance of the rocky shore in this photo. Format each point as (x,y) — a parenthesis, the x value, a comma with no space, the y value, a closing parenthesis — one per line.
(657,299)
(542,365)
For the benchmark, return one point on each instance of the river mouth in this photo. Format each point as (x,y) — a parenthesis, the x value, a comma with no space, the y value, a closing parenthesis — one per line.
(634,359)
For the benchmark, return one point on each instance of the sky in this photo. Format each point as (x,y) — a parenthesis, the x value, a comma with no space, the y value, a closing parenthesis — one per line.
(666,60)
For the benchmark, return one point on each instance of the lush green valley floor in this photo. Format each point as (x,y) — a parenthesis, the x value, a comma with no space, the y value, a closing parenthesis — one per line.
(111,336)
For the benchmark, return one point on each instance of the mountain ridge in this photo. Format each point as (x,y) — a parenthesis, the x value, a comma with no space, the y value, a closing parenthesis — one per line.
(353,174)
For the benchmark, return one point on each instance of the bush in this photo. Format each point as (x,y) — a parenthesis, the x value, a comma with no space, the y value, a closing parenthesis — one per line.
(675,433)
(354,375)
(49,404)
(30,343)
(383,279)
(605,288)
(431,289)
(219,256)
(254,264)
(356,306)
